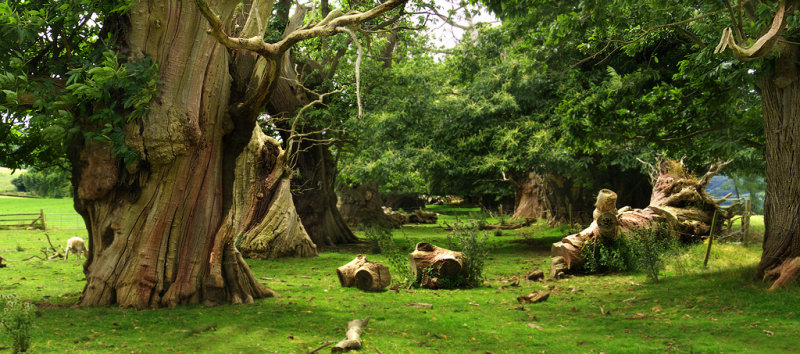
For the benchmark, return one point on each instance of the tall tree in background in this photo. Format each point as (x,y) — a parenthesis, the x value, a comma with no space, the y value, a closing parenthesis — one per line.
(157,104)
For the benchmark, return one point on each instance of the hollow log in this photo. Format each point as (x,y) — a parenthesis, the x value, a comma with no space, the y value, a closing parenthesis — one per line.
(366,275)
(678,199)
(352,339)
(442,262)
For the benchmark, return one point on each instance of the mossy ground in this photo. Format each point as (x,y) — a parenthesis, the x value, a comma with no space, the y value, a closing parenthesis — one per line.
(718,309)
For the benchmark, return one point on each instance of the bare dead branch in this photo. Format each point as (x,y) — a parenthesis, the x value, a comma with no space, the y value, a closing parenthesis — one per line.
(357,68)
(332,26)
(763,45)
(254,43)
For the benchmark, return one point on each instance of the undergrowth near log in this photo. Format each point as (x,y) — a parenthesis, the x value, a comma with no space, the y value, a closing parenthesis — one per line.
(467,238)
(644,250)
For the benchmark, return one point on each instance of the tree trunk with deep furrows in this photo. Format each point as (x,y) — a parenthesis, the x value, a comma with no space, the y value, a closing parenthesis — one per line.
(780,93)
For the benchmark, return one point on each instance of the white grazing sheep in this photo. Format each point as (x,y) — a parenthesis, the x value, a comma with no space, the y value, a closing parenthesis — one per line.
(75,245)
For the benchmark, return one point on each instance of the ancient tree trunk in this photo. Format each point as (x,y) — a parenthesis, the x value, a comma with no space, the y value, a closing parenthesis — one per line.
(526,197)
(558,194)
(313,187)
(780,93)
(161,231)
(431,263)
(362,205)
(366,275)
(678,199)
(315,198)
(272,228)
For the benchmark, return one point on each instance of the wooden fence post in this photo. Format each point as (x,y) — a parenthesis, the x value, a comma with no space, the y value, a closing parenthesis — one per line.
(746,223)
(41,215)
(710,238)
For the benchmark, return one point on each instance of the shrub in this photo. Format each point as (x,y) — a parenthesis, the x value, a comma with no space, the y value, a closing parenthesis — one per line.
(49,183)
(19,184)
(642,250)
(649,248)
(381,241)
(16,321)
(601,257)
(470,240)
(377,235)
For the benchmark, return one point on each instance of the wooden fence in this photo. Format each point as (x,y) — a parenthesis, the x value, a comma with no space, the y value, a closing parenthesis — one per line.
(24,220)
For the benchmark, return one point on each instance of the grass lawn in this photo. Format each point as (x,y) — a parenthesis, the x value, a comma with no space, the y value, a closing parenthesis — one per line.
(718,309)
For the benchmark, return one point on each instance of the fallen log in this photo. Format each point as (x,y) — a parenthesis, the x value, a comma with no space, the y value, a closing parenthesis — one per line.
(420,216)
(429,263)
(678,200)
(364,274)
(507,226)
(352,339)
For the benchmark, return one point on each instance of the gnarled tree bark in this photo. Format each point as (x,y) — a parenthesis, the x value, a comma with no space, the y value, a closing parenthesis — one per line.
(780,94)
(162,230)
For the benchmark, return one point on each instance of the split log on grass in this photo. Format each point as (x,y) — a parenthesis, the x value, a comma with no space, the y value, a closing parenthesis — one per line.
(366,275)
(420,216)
(347,272)
(352,338)
(373,276)
(678,199)
(784,274)
(536,296)
(442,262)
(536,275)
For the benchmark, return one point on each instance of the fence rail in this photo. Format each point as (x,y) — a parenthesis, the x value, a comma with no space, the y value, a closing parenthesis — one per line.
(23,220)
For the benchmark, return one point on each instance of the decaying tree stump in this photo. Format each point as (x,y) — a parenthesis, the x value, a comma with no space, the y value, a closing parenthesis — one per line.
(678,199)
(429,263)
(352,339)
(366,275)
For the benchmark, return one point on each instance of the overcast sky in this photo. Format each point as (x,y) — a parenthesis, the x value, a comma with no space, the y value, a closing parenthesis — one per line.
(446,35)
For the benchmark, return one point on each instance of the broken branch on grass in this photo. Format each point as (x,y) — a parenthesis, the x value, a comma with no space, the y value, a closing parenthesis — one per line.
(352,338)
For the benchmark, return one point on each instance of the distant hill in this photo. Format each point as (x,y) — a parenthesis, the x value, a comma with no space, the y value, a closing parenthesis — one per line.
(6,177)
(720,186)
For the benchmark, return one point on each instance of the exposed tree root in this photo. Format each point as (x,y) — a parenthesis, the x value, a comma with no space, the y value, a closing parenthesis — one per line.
(784,274)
